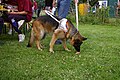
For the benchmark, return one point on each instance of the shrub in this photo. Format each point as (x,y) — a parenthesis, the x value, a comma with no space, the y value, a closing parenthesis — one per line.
(100,16)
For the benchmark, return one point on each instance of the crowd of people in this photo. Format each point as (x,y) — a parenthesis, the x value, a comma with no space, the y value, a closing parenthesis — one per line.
(24,9)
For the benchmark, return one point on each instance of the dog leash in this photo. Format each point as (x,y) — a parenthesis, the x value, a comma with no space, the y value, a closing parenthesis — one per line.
(51,15)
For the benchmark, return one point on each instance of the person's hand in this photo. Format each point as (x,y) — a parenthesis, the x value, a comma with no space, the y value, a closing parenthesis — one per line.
(54,4)
(75,1)
(12,12)
(33,8)
(20,13)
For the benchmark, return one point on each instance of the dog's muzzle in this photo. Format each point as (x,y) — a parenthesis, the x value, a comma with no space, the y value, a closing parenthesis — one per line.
(77,44)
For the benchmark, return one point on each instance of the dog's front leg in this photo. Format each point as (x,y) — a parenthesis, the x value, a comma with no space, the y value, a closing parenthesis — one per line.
(52,42)
(64,45)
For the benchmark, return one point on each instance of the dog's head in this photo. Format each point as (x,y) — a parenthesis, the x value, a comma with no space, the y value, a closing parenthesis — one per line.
(77,40)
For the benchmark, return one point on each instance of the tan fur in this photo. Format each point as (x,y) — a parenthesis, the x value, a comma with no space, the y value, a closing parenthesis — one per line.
(39,28)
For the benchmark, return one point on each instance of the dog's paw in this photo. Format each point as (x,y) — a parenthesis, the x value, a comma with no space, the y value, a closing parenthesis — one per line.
(77,53)
(51,51)
(67,49)
(40,49)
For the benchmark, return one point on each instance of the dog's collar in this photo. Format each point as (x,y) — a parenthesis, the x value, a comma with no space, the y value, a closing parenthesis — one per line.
(76,32)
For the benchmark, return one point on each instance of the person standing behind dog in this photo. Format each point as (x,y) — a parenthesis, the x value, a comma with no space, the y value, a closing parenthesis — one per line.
(63,8)
(41,4)
(48,5)
(34,8)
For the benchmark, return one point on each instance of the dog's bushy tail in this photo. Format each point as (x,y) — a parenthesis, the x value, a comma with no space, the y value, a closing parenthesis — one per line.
(31,40)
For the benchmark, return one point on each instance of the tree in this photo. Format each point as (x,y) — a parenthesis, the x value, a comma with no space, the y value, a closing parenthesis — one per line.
(91,2)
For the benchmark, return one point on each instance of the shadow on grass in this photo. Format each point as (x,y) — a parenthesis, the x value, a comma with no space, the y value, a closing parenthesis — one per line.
(2,43)
(4,39)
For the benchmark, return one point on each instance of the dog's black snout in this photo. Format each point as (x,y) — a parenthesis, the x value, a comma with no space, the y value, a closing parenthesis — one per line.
(77,44)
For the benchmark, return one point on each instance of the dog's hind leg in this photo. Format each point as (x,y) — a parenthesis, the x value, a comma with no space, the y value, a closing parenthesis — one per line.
(38,43)
(37,40)
(38,33)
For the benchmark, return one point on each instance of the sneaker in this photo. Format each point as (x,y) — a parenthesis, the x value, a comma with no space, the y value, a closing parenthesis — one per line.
(21,37)
(10,32)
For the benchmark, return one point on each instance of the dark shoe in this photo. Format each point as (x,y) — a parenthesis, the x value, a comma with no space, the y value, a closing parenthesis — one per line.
(58,41)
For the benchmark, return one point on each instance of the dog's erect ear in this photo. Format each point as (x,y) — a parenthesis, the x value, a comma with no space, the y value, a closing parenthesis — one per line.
(84,38)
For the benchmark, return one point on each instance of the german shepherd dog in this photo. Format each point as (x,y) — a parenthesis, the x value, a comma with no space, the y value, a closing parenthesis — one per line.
(45,24)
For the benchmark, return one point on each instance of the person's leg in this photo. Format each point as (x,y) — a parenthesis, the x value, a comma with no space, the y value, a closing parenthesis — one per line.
(14,21)
(1,24)
(38,12)
(10,30)
(63,8)
(16,18)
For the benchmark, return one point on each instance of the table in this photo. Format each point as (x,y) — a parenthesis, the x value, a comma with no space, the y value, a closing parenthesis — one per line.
(3,10)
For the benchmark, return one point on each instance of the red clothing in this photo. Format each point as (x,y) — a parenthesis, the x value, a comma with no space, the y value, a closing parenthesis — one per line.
(35,5)
(25,5)
(12,2)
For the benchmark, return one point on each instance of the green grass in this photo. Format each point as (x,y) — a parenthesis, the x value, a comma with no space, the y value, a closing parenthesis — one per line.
(99,58)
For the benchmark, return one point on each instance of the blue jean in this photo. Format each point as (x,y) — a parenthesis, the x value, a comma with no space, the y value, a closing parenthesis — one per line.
(17,18)
(63,8)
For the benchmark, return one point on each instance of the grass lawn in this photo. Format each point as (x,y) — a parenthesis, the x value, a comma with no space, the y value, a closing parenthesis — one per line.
(99,58)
